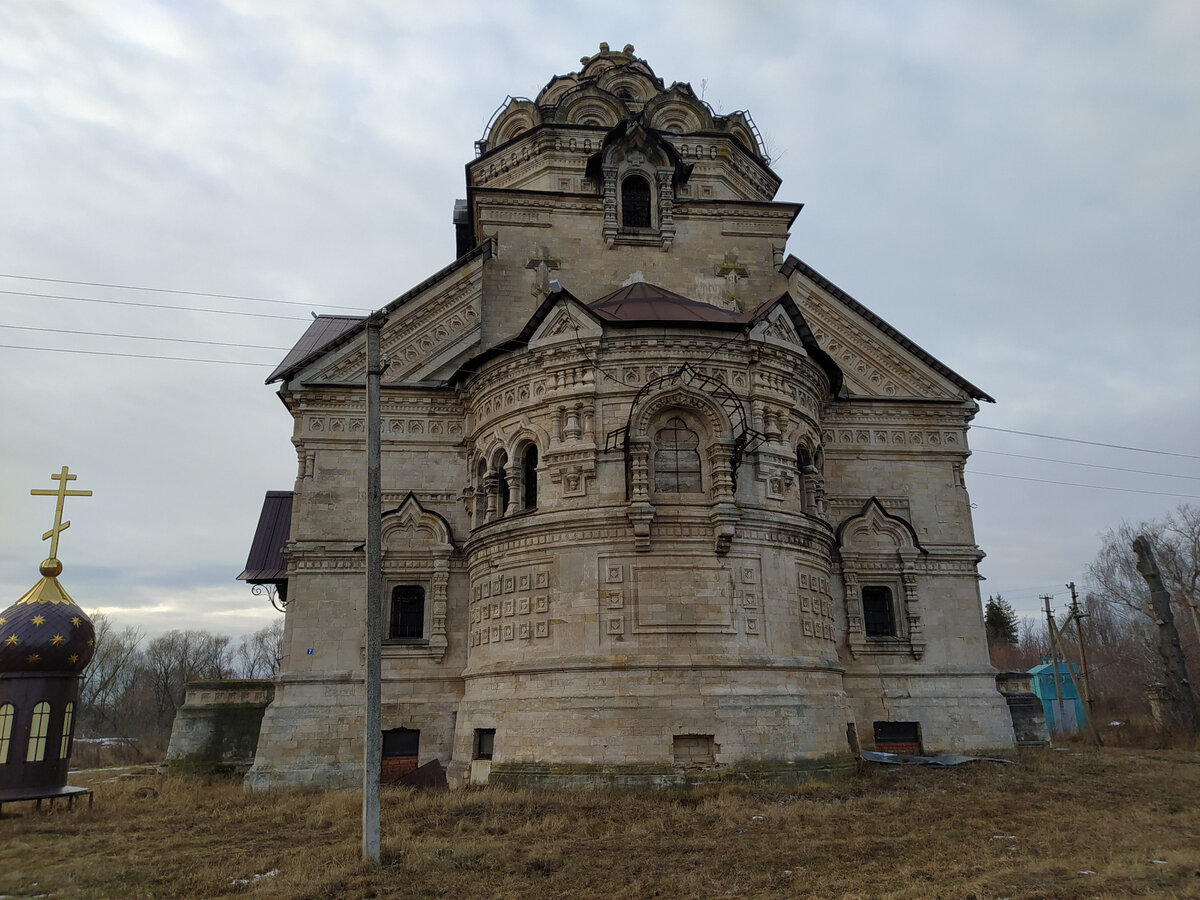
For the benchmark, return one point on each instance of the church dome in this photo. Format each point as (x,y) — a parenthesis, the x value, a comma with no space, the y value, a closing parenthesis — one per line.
(46,631)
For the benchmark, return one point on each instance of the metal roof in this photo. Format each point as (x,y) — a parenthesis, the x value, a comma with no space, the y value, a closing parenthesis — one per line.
(324,330)
(336,330)
(645,302)
(265,564)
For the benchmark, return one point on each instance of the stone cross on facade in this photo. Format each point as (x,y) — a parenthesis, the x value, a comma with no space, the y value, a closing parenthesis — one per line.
(62,493)
(543,264)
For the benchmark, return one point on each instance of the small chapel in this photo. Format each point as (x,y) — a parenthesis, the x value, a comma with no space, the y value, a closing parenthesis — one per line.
(660,501)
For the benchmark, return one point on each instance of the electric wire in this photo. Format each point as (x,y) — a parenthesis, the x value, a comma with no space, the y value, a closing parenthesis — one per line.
(141,337)
(224,312)
(228,362)
(1098,487)
(133,287)
(1068,462)
(1054,437)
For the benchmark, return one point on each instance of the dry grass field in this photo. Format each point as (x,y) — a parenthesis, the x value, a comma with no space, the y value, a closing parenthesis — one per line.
(1074,823)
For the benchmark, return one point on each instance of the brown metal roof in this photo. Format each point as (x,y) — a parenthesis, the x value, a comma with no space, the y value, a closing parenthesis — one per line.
(645,302)
(265,564)
(324,330)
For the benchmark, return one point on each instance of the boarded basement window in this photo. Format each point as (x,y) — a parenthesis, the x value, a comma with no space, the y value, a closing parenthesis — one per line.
(898,737)
(400,746)
(694,750)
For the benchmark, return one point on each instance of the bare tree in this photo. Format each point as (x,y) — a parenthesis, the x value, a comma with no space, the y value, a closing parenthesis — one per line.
(109,674)
(1176,687)
(1129,624)
(257,655)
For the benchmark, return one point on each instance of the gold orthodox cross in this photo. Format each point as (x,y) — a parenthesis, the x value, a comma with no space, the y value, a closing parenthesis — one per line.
(62,493)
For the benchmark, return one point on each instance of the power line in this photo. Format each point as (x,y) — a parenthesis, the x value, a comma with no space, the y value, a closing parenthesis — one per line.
(133,287)
(1067,462)
(140,337)
(1054,437)
(1098,487)
(224,312)
(228,362)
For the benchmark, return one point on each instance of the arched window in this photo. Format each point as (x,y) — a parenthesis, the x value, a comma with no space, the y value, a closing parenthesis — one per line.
(529,461)
(677,459)
(7,714)
(481,493)
(502,485)
(635,202)
(64,748)
(408,612)
(38,727)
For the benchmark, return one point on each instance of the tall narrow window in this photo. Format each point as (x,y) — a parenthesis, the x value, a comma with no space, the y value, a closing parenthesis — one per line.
(677,458)
(529,463)
(878,620)
(64,747)
(481,493)
(7,714)
(38,727)
(804,465)
(408,612)
(502,485)
(635,202)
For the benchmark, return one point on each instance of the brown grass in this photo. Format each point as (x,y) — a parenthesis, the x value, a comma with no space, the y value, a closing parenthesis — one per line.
(1129,819)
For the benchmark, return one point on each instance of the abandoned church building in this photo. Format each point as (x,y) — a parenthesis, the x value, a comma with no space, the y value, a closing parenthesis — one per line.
(658,498)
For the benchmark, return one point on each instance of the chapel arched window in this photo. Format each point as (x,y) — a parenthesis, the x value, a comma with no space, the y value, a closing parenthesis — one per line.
(38,726)
(64,747)
(677,459)
(7,714)
(635,202)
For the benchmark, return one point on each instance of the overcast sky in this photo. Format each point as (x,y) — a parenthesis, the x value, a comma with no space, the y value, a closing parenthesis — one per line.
(1013,185)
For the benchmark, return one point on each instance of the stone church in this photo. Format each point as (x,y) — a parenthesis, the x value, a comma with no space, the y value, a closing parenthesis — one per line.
(661,502)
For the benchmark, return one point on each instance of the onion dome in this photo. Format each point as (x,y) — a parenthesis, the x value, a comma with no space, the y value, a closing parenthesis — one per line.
(45,631)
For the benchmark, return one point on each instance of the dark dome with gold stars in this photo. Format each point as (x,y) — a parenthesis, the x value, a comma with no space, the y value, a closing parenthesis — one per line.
(45,631)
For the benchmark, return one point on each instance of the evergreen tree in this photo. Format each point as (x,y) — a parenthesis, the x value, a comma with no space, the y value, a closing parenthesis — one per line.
(1000,619)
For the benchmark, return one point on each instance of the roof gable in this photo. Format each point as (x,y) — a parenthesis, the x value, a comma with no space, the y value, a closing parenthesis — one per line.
(878,361)
(427,328)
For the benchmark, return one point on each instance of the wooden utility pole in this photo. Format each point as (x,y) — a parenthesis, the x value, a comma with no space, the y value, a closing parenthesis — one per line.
(1087,678)
(1051,630)
(372,733)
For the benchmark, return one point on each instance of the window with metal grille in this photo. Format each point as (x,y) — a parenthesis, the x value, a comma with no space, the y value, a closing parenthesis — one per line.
(677,458)
(635,202)
(38,726)
(408,612)
(878,620)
